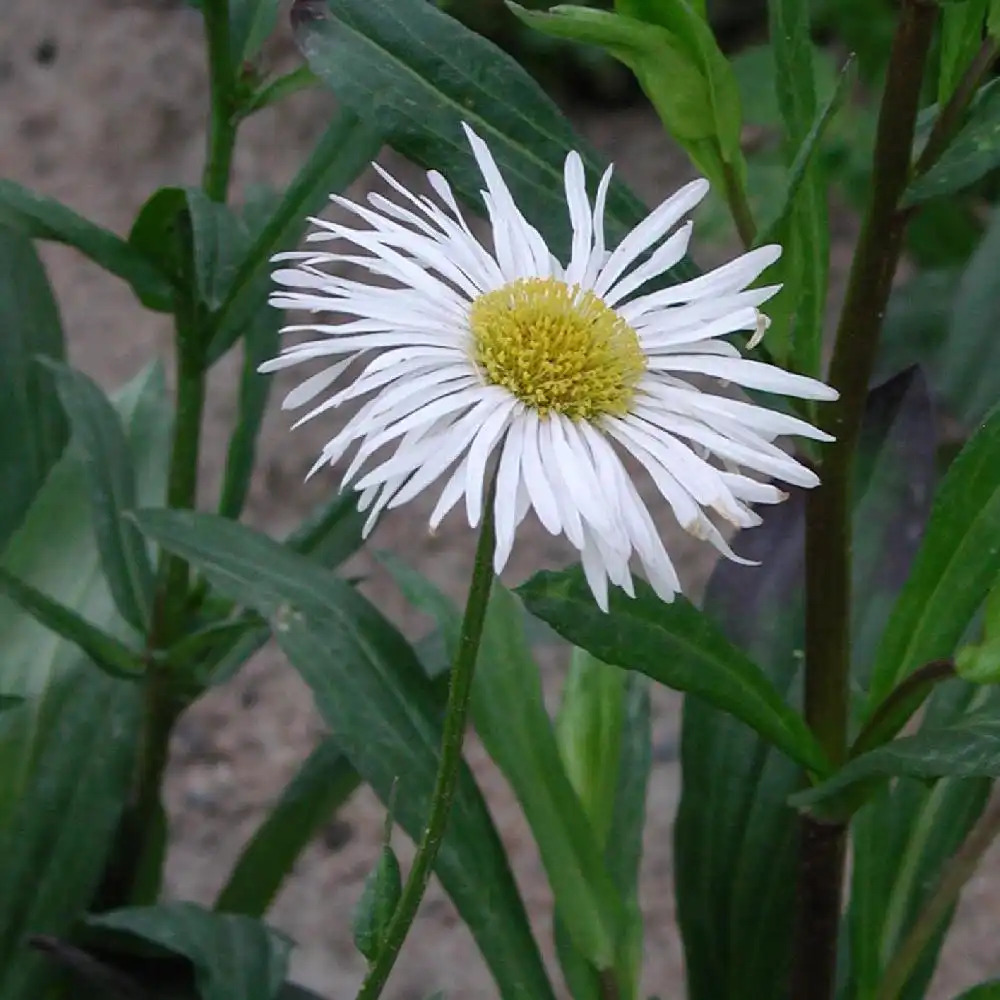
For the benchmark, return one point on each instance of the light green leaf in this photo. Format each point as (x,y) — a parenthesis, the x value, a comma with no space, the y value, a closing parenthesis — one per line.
(112,485)
(972,154)
(955,567)
(676,645)
(55,839)
(38,217)
(105,650)
(234,957)
(250,24)
(378,902)
(372,693)
(35,430)
(343,151)
(417,74)
(324,782)
(961,36)
(54,549)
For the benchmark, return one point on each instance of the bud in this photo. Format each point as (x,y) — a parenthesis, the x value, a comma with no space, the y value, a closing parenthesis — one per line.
(377,904)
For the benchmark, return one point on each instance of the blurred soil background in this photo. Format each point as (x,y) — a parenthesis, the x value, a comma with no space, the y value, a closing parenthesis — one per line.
(102,102)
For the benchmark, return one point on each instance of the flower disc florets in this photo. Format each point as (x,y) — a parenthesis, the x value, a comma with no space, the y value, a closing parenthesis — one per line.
(557,348)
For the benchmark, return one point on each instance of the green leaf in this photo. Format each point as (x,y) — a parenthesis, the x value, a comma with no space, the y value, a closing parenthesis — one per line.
(372,693)
(250,24)
(979,664)
(34,426)
(692,30)
(156,234)
(961,36)
(956,565)
(984,991)
(972,154)
(112,485)
(331,533)
(416,74)
(105,650)
(343,151)
(260,342)
(234,957)
(378,902)
(220,241)
(676,645)
(38,217)
(56,838)
(54,550)
(968,748)
(324,782)
(901,839)
(968,366)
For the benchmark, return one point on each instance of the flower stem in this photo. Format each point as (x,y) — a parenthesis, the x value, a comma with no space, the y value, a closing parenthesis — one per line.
(222,125)
(739,207)
(828,543)
(952,880)
(456,713)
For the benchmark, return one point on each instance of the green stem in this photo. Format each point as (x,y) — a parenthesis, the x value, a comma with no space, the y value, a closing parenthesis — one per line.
(950,884)
(828,542)
(739,207)
(222,121)
(456,713)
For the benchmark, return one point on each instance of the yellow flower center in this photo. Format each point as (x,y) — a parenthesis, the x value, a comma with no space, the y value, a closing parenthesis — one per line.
(557,348)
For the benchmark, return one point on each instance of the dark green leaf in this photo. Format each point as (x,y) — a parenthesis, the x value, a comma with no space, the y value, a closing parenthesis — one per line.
(973,153)
(969,363)
(901,838)
(57,836)
(34,426)
(234,957)
(374,696)
(969,748)
(112,485)
(220,241)
(155,231)
(916,323)
(958,561)
(43,218)
(378,902)
(343,151)
(676,645)
(250,24)
(331,533)
(417,74)
(323,783)
(104,649)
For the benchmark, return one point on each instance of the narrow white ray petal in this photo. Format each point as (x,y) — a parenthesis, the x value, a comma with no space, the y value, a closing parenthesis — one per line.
(535,479)
(580,218)
(314,385)
(598,256)
(750,374)
(494,426)
(660,221)
(505,504)
(569,514)
(664,258)
(595,573)
(450,495)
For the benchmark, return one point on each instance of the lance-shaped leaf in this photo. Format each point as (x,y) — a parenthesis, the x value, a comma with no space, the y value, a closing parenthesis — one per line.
(417,74)
(676,645)
(38,217)
(371,691)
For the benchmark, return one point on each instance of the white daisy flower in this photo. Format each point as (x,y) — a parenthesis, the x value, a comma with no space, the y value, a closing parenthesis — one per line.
(553,371)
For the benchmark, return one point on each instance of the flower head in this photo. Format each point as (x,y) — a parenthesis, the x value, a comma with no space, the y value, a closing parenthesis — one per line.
(556,370)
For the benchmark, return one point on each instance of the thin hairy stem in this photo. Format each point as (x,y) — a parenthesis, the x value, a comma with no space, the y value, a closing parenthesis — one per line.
(456,714)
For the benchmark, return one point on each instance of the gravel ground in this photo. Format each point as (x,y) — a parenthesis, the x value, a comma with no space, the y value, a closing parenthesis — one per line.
(101,102)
